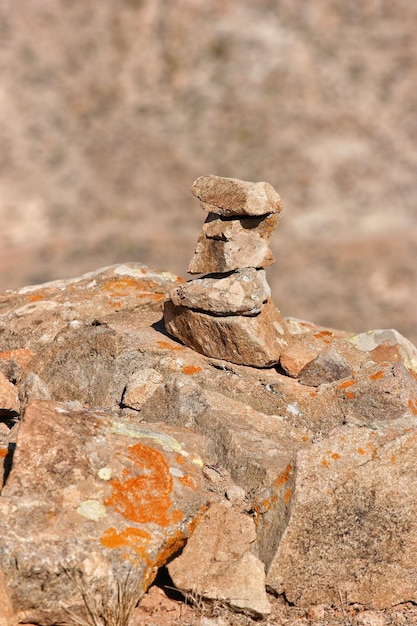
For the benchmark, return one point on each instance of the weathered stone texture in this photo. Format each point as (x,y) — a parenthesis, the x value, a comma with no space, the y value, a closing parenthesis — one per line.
(352,532)
(232,197)
(94,494)
(217,562)
(228,244)
(256,341)
(243,292)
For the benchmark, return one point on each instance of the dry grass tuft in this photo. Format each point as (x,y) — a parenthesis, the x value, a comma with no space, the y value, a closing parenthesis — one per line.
(109,605)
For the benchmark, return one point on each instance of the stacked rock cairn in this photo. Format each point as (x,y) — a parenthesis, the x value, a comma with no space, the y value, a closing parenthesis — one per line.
(228,313)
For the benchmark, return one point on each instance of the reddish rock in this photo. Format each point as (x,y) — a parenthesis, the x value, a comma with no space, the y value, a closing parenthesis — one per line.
(256,341)
(229,244)
(9,401)
(243,292)
(218,562)
(231,196)
(92,500)
(327,367)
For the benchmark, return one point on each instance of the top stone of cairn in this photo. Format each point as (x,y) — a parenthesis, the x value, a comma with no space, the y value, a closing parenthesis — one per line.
(230,197)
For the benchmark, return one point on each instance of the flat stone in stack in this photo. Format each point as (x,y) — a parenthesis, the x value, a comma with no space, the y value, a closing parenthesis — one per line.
(228,314)
(242,292)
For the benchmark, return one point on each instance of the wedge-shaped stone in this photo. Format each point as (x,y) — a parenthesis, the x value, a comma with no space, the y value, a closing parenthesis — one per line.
(352,529)
(231,196)
(243,292)
(228,244)
(256,341)
(217,562)
(92,501)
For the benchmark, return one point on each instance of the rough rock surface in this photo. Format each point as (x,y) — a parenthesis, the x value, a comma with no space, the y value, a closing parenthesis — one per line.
(231,197)
(9,402)
(329,466)
(95,497)
(352,530)
(256,341)
(242,292)
(228,244)
(217,562)
(7,617)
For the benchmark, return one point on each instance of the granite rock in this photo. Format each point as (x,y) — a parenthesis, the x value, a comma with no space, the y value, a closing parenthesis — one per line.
(243,292)
(229,244)
(257,341)
(231,196)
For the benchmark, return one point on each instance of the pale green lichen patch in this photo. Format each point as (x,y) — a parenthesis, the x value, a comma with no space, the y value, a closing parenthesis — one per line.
(105,473)
(136,432)
(92,510)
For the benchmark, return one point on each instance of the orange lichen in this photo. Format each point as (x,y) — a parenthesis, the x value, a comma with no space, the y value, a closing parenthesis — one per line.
(3,452)
(325,335)
(287,495)
(180,459)
(188,481)
(413,406)
(145,498)
(393,458)
(169,346)
(174,543)
(179,279)
(333,455)
(350,395)
(22,356)
(284,476)
(347,383)
(130,285)
(361,451)
(35,297)
(191,369)
(130,537)
(377,375)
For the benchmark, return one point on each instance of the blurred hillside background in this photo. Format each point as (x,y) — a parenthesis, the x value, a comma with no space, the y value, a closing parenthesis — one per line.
(111,108)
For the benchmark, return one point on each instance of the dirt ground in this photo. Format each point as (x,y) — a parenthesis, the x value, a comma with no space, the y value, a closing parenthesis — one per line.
(164,607)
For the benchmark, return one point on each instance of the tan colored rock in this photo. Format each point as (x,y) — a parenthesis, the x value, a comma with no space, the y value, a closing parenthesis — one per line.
(217,562)
(228,244)
(352,530)
(231,196)
(7,616)
(378,393)
(140,387)
(9,401)
(256,341)
(92,499)
(242,292)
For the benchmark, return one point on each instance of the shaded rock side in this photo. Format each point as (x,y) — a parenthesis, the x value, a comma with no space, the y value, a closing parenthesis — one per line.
(232,197)
(92,501)
(217,563)
(229,244)
(242,292)
(352,532)
(255,341)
